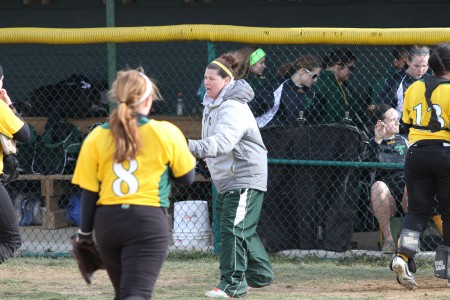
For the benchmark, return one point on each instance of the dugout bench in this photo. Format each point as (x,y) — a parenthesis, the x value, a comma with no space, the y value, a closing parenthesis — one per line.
(52,187)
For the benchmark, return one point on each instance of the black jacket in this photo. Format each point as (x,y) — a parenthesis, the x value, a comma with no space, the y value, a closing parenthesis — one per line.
(399,81)
(293,99)
(389,151)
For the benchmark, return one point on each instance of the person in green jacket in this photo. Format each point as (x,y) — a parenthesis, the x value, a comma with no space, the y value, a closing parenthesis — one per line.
(337,98)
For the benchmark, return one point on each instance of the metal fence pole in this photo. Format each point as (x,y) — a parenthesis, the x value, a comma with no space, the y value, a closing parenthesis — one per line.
(111,47)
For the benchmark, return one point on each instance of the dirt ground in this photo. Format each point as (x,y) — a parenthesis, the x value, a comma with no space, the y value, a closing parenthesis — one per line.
(65,280)
(429,288)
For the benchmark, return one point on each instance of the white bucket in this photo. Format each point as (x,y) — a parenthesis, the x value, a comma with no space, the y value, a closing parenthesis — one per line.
(200,240)
(191,224)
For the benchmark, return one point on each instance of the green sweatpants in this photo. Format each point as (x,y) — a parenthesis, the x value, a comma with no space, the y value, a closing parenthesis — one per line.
(243,259)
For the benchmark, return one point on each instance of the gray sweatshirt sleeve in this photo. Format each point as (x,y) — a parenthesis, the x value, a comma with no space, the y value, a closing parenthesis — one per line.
(229,129)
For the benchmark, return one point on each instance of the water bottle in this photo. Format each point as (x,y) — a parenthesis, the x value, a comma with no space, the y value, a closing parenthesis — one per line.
(180,104)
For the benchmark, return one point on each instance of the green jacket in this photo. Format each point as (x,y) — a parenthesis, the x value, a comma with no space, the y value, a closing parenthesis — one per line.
(336,99)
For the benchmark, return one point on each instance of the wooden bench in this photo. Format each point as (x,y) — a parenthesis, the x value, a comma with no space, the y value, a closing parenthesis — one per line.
(190,126)
(52,187)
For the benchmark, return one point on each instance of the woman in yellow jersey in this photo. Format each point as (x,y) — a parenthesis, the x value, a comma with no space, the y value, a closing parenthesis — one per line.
(426,111)
(12,126)
(125,169)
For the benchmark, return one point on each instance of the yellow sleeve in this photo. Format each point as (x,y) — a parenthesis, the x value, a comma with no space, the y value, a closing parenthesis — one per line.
(181,159)
(406,108)
(10,123)
(85,174)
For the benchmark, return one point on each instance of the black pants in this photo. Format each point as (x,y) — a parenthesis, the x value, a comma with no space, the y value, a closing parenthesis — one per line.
(133,243)
(10,239)
(427,171)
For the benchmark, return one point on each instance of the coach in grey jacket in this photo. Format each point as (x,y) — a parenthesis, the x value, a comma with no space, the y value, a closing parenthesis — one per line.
(231,141)
(237,160)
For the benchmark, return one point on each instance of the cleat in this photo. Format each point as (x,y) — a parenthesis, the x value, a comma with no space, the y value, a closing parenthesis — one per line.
(216,293)
(404,276)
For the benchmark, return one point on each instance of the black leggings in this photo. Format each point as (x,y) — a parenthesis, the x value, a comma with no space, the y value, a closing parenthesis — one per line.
(427,170)
(133,242)
(10,239)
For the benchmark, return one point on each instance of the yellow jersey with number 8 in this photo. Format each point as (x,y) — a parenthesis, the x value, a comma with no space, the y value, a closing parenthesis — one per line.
(144,180)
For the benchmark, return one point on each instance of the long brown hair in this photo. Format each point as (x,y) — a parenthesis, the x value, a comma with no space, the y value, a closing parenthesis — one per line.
(243,55)
(127,90)
(308,61)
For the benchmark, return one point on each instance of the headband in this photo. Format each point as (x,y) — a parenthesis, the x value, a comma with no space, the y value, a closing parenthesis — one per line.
(223,68)
(148,90)
(257,56)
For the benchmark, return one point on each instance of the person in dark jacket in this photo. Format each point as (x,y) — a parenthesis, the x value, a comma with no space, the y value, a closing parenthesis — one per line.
(395,87)
(286,101)
(252,60)
(399,58)
(388,193)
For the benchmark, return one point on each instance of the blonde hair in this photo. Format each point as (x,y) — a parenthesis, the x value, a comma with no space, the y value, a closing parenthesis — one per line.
(127,90)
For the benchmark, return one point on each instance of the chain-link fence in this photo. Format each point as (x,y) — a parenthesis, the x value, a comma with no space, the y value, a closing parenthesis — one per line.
(321,170)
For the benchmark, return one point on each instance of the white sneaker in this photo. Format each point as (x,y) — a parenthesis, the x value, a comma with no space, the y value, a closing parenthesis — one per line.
(404,276)
(216,293)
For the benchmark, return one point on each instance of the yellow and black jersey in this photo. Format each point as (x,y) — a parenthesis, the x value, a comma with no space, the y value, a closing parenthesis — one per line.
(9,125)
(141,181)
(416,111)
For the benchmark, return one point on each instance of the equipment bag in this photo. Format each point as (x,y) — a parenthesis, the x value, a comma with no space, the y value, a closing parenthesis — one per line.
(57,149)
(73,210)
(31,211)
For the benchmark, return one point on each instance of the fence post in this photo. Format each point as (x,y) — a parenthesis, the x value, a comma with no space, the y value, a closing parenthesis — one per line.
(111,47)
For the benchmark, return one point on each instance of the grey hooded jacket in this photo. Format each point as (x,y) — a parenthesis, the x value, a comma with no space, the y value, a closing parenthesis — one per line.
(231,141)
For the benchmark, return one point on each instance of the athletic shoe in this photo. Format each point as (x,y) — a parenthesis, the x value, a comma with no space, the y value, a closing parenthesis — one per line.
(216,293)
(250,289)
(404,276)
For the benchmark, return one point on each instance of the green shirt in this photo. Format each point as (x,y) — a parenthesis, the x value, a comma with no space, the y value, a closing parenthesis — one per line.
(336,98)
